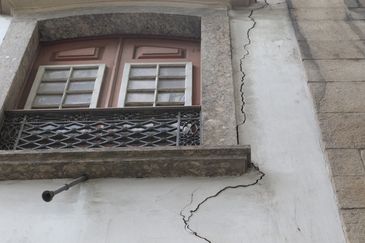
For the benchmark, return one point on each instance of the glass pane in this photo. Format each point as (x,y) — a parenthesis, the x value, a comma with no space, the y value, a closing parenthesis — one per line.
(172,71)
(52,87)
(50,74)
(141,84)
(140,97)
(171,83)
(77,86)
(142,71)
(47,100)
(84,73)
(171,97)
(74,99)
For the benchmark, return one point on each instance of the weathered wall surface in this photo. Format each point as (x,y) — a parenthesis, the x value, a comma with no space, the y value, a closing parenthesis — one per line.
(331,34)
(294,202)
(4,24)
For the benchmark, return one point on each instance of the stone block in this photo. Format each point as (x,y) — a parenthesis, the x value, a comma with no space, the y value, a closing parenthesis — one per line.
(317,89)
(315,3)
(218,106)
(354,221)
(356,13)
(300,14)
(345,162)
(335,70)
(125,162)
(350,191)
(119,24)
(355,3)
(16,56)
(332,49)
(331,30)
(343,97)
(343,130)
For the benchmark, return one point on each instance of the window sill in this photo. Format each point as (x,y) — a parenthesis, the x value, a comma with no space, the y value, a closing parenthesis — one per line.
(125,162)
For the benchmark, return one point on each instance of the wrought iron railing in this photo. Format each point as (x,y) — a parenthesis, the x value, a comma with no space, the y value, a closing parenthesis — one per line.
(100,128)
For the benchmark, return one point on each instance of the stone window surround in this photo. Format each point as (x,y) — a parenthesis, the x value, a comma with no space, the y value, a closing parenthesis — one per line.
(218,114)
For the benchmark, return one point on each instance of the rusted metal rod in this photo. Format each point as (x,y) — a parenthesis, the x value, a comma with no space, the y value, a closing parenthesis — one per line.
(48,195)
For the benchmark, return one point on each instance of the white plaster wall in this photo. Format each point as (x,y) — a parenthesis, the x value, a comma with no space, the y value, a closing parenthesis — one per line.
(293,203)
(4,24)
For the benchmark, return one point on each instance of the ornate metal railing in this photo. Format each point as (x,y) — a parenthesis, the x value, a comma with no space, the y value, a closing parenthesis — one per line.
(100,128)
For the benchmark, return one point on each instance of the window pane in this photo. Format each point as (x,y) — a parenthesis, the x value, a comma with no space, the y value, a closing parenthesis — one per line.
(48,100)
(140,97)
(50,74)
(84,73)
(171,97)
(80,86)
(172,71)
(74,99)
(171,83)
(141,84)
(142,71)
(52,87)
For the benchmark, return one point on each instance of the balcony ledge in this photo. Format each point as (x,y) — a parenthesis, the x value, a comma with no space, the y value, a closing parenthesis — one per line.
(125,162)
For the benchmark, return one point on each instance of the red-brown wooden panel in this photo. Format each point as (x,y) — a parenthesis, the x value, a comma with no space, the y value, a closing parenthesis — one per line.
(99,51)
(114,52)
(90,53)
(164,51)
(147,52)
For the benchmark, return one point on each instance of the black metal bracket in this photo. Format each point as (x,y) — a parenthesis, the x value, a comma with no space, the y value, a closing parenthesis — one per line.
(48,195)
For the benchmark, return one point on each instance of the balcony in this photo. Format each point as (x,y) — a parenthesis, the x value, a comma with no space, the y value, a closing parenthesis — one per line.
(100,128)
(128,142)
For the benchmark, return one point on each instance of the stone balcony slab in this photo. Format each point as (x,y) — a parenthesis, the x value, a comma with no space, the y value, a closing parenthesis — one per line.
(125,162)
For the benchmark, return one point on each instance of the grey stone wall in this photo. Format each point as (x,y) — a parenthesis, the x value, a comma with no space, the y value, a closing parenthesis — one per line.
(331,36)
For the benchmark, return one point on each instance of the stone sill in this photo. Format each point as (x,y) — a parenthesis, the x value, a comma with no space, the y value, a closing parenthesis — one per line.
(9,6)
(125,162)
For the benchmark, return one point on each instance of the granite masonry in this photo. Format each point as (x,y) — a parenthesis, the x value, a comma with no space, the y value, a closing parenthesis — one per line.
(331,36)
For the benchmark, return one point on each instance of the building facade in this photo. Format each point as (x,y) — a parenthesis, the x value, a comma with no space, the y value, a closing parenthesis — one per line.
(192,119)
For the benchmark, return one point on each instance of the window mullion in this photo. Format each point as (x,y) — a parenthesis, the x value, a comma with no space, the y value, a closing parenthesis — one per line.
(66,88)
(156,84)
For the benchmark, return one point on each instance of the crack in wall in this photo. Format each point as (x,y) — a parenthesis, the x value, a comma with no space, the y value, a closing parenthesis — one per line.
(186,219)
(242,59)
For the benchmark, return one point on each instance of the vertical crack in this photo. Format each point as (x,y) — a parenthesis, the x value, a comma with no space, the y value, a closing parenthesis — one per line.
(242,70)
(187,218)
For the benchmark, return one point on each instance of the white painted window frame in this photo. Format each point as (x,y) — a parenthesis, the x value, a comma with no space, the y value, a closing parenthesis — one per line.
(188,80)
(42,69)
